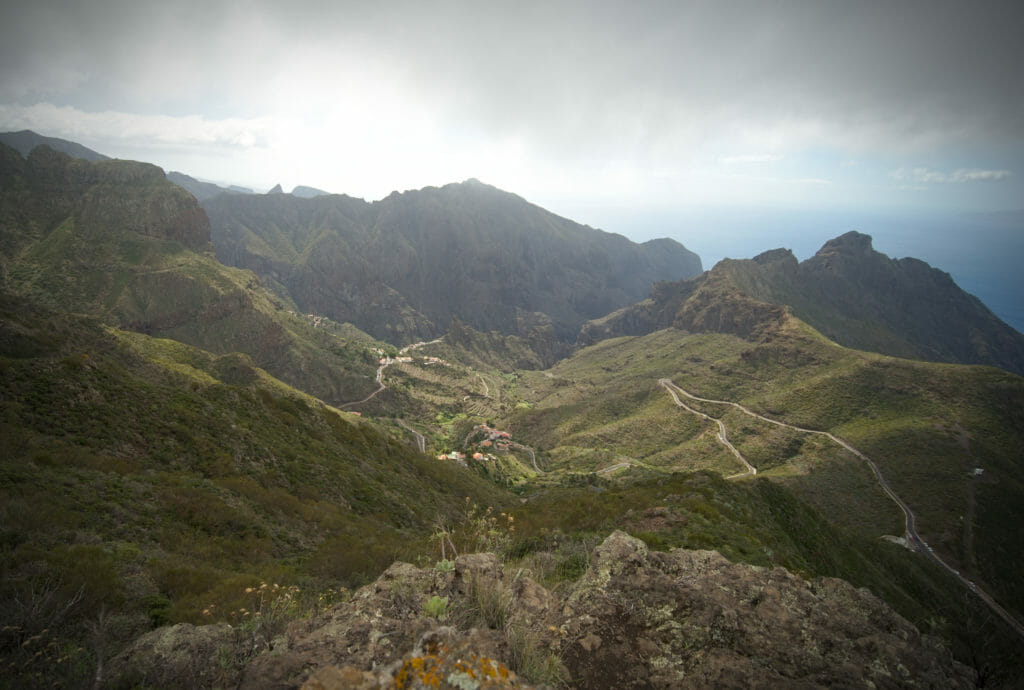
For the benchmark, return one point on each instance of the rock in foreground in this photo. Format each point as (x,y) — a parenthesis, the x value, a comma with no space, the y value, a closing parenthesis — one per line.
(636,619)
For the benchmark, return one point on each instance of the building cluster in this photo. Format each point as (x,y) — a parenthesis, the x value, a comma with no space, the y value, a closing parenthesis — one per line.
(461,457)
(454,455)
(485,436)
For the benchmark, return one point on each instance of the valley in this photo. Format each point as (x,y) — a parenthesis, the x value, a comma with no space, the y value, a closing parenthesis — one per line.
(180,434)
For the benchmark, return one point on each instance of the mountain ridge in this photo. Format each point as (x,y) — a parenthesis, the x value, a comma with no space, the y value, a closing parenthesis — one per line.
(24,141)
(851,293)
(117,432)
(466,250)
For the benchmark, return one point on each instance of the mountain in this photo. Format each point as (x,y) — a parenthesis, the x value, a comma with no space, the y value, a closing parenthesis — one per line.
(851,293)
(24,141)
(401,268)
(117,240)
(184,446)
(305,192)
(203,190)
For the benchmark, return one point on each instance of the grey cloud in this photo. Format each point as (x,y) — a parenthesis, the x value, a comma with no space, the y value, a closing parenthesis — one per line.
(587,78)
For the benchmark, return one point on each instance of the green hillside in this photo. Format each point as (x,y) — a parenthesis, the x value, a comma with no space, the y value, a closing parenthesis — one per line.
(175,434)
(849,292)
(927,426)
(144,481)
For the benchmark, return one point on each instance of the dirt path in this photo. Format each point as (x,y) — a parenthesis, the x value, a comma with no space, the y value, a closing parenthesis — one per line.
(380,387)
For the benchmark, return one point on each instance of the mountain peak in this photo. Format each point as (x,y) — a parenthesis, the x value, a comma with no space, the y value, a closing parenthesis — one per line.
(276,190)
(852,242)
(304,192)
(776,255)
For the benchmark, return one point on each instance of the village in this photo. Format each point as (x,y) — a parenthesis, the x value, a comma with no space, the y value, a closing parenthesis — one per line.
(484,438)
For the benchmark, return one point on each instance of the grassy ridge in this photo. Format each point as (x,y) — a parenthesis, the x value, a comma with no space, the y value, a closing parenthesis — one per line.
(118,241)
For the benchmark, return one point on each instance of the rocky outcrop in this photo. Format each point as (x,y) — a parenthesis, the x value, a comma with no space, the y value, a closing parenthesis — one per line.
(636,619)
(694,619)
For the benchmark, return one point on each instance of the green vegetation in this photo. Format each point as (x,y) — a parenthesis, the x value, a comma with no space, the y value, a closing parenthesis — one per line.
(139,488)
(762,523)
(188,468)
(116,240)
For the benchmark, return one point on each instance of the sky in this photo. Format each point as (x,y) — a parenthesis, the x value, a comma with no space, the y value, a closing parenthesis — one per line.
(732,126)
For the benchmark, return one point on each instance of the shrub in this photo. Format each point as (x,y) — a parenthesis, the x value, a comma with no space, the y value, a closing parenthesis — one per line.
(530,660)
(486,603)
(436,607)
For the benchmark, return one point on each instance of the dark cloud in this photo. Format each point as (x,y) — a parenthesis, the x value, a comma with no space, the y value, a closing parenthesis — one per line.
(583,85)
(564,69)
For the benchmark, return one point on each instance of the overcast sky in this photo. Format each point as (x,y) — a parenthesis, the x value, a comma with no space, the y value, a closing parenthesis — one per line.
(595,110)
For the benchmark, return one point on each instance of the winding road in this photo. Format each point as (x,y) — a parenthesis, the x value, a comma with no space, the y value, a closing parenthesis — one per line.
(533,456)
(722,436)
(421,441)
(914,540)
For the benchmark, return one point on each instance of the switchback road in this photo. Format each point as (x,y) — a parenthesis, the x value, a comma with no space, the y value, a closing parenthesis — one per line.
(723,438)
(914,540)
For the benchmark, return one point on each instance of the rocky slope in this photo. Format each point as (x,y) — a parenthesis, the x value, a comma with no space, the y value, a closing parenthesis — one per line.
(636,618)
(403,267)
(851,293)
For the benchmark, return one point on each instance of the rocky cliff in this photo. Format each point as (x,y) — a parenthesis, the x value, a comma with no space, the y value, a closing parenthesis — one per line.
(636,619)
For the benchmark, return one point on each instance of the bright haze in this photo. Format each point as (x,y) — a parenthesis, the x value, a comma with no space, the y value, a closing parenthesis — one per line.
(733,127)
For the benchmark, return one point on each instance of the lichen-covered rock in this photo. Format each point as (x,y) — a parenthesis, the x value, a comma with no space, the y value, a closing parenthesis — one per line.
(180,656)
(445,658)
(378,626)
(635,619)
(694,619)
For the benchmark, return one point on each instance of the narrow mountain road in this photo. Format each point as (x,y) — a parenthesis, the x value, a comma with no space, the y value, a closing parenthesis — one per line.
(914,539)
(388,361)
(533,456)
(487,391)
(421,441)
(722,436)
(380,386)
(614,467)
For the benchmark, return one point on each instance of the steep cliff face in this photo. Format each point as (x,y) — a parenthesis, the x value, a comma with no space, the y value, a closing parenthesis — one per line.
(849,292)
(403,267)
(683,619)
